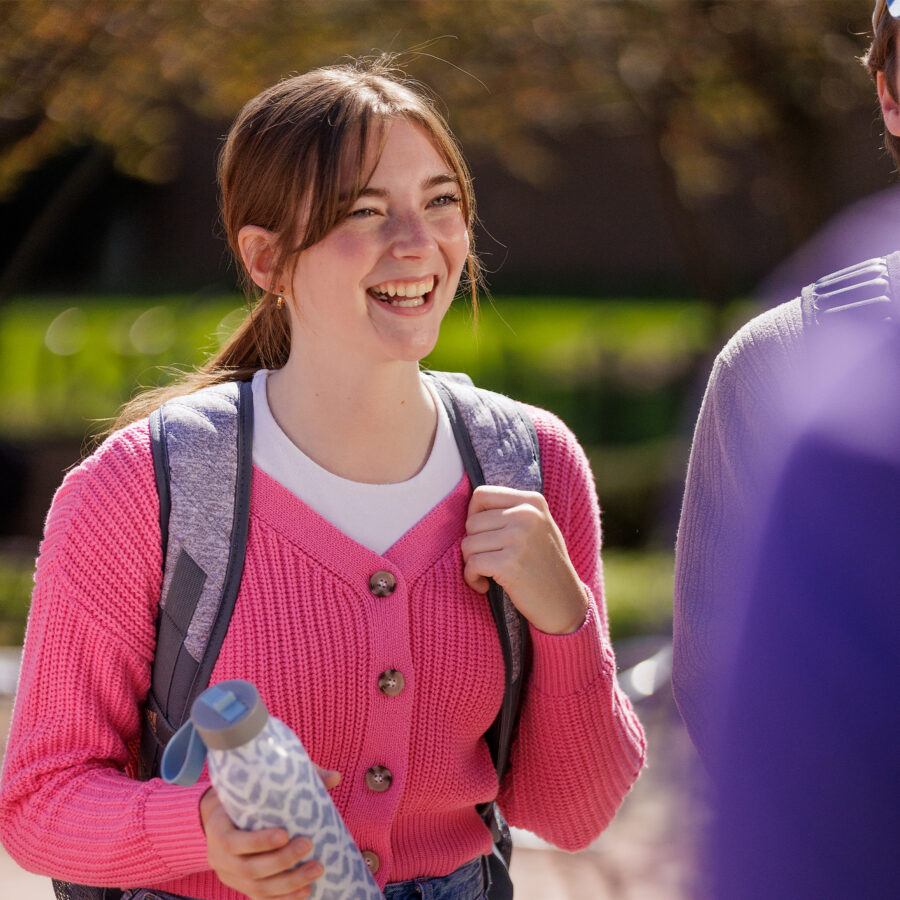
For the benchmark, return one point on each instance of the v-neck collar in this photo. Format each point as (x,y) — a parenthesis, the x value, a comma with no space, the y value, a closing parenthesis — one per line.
(412,553)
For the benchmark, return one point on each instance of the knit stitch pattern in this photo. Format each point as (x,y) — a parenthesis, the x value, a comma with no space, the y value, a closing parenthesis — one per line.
(309,633)
(732,442)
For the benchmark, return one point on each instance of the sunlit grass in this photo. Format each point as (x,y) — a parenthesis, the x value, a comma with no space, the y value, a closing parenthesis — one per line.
(68,361)
(16,583)
(638,586)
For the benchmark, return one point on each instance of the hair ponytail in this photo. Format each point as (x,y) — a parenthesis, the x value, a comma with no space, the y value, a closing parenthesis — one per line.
(261,341)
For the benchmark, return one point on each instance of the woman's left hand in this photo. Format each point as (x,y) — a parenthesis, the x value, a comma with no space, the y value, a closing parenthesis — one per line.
(512,538)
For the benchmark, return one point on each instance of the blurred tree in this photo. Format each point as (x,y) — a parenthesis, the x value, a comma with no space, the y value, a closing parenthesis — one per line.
(707,83)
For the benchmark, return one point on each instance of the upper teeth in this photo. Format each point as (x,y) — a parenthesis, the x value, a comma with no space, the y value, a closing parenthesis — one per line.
(405,288)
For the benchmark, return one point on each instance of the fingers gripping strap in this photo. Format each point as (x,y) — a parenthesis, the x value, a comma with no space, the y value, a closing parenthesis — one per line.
(499,446)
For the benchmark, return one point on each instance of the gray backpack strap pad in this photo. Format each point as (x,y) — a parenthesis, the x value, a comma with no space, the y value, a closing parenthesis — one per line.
(202,456)
(862,292)
(499,446)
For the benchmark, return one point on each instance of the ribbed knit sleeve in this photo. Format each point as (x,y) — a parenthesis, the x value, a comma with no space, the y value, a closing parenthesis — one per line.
(580,746)
(67,807)
(732,441)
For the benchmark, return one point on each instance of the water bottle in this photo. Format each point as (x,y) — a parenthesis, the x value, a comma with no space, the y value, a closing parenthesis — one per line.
(265,779)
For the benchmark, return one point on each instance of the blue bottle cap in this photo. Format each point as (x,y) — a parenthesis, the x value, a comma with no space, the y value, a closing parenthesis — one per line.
(223,717)
(229,714)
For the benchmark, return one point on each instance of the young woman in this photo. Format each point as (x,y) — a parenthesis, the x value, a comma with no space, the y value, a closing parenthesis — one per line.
(349,207)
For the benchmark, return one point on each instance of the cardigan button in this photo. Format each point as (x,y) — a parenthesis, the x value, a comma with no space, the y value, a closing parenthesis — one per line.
(378,779)
(382,583)
(391,682)
(372,860)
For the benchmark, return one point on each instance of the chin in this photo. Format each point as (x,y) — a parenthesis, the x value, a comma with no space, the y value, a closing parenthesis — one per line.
(410,348)
(416,355)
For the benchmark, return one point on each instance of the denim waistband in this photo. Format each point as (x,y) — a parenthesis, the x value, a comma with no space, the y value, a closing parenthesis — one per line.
(468,882)
(150,894)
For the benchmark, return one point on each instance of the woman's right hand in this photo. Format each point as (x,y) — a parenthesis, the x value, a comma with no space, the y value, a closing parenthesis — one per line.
(259,864)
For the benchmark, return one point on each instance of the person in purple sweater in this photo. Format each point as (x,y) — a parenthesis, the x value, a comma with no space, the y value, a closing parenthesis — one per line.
(806,792)
(743,429)
(787,622)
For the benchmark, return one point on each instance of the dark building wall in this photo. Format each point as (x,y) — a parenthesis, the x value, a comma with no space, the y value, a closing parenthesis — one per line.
(596,225)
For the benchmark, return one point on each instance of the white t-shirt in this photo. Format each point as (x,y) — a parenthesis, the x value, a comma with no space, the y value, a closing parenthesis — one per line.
(374,515)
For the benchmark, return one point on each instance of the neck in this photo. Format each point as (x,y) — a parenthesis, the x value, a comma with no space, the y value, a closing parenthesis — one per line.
(372,423)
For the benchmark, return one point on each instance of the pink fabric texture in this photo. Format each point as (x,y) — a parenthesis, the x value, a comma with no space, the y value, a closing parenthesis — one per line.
(313,638)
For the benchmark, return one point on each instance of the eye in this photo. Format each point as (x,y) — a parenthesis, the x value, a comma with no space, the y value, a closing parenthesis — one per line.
(362,213)
(445,200)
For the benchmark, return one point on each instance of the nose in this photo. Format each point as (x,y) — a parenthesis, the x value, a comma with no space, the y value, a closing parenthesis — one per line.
(412,237)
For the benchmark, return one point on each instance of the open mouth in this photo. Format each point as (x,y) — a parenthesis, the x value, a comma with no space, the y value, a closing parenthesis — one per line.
(404,294)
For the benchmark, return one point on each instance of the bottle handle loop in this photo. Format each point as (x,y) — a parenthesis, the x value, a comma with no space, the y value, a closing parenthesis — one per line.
(184,756)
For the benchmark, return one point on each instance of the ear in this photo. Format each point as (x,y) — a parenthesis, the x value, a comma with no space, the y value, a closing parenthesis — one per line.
(890,108)
(257,246)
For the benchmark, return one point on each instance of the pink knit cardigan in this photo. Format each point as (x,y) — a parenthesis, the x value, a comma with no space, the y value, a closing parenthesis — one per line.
(309,633)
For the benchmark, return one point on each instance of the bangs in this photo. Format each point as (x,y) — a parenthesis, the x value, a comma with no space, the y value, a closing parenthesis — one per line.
(337,171)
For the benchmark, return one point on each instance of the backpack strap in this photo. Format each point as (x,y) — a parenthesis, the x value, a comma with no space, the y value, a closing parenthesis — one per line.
(499,446)
(203,522)
(862,292)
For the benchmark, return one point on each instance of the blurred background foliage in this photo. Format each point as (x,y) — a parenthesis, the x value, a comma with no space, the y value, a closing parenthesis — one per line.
(702,81)
(754,112)
(704,76)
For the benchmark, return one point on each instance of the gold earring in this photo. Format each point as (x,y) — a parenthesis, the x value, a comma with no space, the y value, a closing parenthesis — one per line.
(280,301)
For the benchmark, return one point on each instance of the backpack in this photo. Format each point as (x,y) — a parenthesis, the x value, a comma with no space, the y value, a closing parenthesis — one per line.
(204,523)
(862,292)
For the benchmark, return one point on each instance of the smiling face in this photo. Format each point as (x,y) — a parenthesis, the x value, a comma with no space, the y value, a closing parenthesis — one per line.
(377,286)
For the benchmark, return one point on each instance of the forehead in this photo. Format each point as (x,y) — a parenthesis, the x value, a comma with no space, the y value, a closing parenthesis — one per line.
(395,148)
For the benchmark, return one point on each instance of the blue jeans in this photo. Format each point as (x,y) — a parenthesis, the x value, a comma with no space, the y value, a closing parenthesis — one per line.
(468,882)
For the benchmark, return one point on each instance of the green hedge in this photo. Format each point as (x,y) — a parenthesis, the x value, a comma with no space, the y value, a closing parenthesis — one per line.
(614,369)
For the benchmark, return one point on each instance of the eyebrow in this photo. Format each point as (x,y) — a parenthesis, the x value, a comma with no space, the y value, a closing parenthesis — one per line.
(427,184)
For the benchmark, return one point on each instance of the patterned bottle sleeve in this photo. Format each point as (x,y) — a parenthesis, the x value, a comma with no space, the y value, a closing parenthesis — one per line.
(270,782)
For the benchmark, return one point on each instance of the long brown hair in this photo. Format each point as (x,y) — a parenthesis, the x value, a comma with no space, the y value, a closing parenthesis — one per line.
(292,146)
